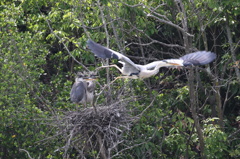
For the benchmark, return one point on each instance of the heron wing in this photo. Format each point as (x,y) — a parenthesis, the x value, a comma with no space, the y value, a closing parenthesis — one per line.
(198,58)
(103,52)
(77,92)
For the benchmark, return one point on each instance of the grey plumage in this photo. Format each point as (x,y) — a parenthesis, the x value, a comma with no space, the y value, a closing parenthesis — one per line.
(78,91)
(101,51)
(83,90)
(198,58)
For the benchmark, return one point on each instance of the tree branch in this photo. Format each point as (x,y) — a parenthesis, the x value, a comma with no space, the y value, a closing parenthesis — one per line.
(48,23)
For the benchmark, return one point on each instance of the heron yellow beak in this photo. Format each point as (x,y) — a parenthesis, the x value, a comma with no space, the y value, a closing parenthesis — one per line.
(91,79)
(175,64)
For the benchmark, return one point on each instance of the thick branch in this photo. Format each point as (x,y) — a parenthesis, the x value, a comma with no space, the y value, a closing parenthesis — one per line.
(229,35)
(193,110)
(192,91)
(171,24)
(109,98)
(102,148)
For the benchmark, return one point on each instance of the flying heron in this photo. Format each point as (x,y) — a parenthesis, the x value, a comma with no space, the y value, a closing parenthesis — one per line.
(136,71)
(83,89)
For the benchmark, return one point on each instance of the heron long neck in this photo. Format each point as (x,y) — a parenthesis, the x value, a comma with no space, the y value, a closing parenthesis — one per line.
(153,72)
(160,64)
(156,69)
(148,73)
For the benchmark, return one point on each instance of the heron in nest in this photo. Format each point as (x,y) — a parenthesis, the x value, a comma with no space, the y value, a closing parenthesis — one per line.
(83,89)
(136,71)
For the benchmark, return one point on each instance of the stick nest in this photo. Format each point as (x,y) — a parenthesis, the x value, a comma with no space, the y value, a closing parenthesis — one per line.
(89,129)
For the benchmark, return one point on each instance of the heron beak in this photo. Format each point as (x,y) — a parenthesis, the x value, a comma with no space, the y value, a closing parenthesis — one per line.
(91,79)
(175,64)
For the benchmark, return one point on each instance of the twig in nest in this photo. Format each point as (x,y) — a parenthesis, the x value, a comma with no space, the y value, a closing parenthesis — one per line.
(83,128)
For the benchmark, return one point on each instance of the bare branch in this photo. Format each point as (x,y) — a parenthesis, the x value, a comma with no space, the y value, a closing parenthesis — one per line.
(26,152)
(170,23)
(233,134)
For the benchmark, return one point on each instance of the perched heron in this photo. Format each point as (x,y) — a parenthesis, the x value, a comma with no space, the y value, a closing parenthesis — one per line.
(135,71)
(83,90)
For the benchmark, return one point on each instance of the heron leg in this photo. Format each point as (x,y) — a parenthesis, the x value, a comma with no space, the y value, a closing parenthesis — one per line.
(124,77)
(110,66)
(121,77)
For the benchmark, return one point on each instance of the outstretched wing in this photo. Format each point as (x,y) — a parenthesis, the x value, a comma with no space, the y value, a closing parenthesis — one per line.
(77,92)
(103,52)
(194,59)
(198,58)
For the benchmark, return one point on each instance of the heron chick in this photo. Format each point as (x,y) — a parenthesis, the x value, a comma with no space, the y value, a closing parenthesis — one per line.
(83,89)
(136,71)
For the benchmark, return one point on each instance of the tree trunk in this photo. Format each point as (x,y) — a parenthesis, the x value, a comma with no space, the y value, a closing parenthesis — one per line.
(192,91)
(193,109)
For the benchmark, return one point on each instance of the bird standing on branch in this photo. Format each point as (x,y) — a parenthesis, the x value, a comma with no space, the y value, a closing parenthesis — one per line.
(136,71)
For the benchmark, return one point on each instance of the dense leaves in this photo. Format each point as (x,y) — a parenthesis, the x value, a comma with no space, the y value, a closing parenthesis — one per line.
(43,45)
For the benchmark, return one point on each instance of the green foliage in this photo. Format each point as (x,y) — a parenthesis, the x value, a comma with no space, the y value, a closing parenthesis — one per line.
(215,140)
(37,73)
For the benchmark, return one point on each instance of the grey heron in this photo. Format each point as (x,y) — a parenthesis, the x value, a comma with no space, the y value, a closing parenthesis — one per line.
(83,89)
(136,71)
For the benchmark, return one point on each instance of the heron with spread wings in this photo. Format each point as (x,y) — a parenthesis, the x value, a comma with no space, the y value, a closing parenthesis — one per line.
(83,89)
(136,71)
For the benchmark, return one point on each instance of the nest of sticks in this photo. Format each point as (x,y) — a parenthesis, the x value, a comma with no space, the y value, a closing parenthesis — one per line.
(99,129)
